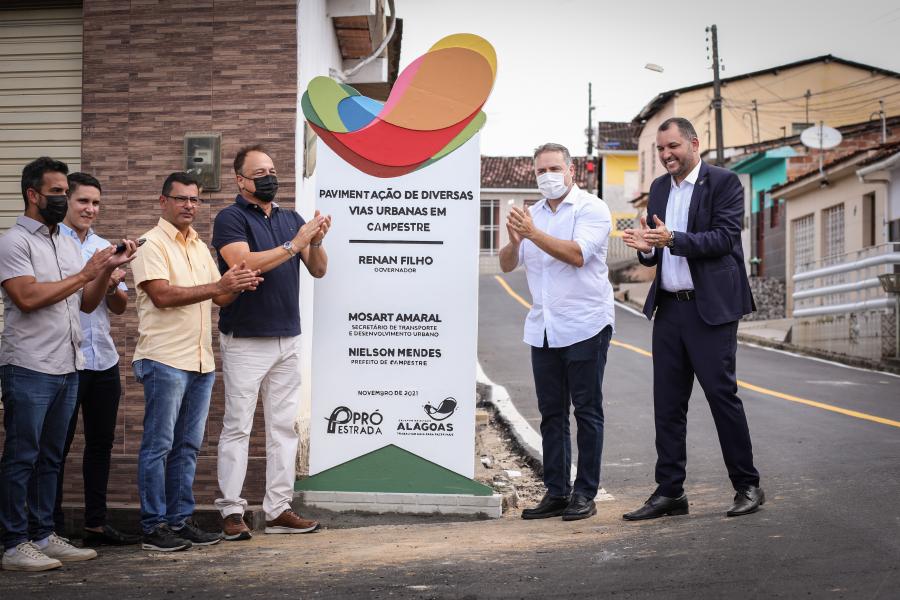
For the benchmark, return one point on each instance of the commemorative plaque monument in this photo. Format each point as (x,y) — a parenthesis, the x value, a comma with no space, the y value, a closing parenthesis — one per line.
(394,352)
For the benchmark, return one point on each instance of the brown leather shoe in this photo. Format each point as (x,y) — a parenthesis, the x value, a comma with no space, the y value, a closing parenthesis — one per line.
(235,529)
(290,522)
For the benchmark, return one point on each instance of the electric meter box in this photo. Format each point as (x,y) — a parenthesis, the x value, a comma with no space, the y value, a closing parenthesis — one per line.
(203,159)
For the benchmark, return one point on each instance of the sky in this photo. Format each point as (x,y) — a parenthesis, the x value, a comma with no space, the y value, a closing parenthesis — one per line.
(548,51)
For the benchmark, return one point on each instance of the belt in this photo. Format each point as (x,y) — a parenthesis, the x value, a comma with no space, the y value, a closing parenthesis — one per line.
(680,295)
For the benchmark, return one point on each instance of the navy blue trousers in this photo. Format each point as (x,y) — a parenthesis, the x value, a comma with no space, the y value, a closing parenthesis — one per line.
(563,376)
(683,346)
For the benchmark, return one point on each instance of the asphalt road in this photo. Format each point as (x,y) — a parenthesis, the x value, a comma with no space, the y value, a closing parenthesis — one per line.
(831,525)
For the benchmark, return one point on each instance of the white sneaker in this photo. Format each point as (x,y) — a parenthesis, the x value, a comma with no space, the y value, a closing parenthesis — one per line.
(27,557)
(60,549)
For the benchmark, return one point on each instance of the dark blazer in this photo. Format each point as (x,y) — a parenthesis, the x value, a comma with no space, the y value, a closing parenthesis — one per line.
(711,244)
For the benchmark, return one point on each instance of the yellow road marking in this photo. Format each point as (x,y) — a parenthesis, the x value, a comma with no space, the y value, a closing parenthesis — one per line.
(512,293)
(640,351)
(743,384)
(823,406)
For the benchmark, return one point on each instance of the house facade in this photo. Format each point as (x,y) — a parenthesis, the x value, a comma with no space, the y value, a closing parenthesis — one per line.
(121,89)
(841,234)
(770,104)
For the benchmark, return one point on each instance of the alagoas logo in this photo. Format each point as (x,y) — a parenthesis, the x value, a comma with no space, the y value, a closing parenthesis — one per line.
(344,421)
(435,425)
(442,411)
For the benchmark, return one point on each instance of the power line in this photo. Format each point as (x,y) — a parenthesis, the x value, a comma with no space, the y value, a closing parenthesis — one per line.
(833,107)
(869,80)
(824,102)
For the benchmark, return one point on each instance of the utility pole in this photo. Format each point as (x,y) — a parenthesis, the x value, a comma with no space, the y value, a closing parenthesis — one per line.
(590,128)
(717,97)
(807,95)
(756,114)
(881,115)
(590,142)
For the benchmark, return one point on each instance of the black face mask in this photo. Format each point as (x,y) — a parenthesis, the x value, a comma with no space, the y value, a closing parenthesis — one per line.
(55,210)
(266,187)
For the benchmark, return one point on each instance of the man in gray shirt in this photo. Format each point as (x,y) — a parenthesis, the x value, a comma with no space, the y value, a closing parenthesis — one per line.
(44,287)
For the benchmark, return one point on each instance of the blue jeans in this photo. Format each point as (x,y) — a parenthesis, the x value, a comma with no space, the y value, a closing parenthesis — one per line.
(37,408)
(176,404)
(563,375)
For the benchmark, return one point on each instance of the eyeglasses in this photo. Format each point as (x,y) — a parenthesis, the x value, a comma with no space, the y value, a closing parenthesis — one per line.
(183,200)
(259,173)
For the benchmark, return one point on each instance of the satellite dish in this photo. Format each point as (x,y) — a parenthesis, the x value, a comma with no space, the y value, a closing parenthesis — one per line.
(820,137)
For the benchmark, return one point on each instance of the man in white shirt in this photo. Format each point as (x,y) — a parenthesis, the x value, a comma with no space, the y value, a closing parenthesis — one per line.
(562,243)
(99,382)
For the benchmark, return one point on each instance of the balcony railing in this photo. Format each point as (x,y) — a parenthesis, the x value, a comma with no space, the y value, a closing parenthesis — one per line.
(845,284)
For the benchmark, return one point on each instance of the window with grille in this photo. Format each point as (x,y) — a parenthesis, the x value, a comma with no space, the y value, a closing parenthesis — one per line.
(803,243)
(490,227)
(833,232)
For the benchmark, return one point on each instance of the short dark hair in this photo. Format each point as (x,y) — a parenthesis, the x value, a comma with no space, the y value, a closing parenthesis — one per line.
(684,127)
(551,147)
(33,173)
(241,156)
(179,177)
(76,179)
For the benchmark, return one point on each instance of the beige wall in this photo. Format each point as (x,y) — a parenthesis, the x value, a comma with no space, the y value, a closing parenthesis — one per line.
(814,200)
(648,163)
(854,103)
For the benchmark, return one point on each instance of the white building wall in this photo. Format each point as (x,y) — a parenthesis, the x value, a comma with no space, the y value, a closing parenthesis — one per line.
(317,52)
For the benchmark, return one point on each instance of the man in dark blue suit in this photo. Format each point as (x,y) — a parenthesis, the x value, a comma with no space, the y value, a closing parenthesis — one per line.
(699,294)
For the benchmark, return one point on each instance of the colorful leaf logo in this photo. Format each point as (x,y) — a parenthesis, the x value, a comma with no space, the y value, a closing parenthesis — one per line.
(433,109)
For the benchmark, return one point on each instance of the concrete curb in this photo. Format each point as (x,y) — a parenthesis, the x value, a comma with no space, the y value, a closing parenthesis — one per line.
(410,503)
(526,438)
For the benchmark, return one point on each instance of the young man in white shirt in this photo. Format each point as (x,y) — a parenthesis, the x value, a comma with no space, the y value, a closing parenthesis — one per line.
(99,382)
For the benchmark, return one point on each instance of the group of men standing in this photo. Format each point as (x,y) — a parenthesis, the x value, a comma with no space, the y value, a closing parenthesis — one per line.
(59,281)
(699,294)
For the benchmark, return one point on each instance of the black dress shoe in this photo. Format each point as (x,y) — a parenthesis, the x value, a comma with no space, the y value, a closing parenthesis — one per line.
(549,506)
(109,537)
(580,507)
(659,506)
(747,500)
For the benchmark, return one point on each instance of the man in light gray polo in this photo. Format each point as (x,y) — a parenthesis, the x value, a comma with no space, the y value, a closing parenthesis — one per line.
(44,288)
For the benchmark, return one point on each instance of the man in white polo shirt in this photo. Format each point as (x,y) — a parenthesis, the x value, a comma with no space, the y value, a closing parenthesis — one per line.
(562,243)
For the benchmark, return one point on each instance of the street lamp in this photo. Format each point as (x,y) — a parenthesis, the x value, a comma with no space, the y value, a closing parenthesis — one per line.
(653,67)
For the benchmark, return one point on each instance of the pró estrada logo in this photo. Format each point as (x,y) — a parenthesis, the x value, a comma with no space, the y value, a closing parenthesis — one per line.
(436,425)
(344,421)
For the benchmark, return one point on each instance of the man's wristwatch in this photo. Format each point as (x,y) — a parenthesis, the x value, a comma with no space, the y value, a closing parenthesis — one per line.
(289,247)
(671,241)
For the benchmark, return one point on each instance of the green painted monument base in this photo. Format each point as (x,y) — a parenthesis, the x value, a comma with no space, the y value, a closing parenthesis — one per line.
(392,479)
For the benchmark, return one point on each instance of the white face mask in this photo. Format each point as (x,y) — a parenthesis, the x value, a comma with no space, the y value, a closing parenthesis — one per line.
(552,185)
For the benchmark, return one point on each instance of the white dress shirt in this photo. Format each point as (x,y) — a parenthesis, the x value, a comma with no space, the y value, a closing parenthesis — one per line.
(571,304)
(96,343)
(676,275)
